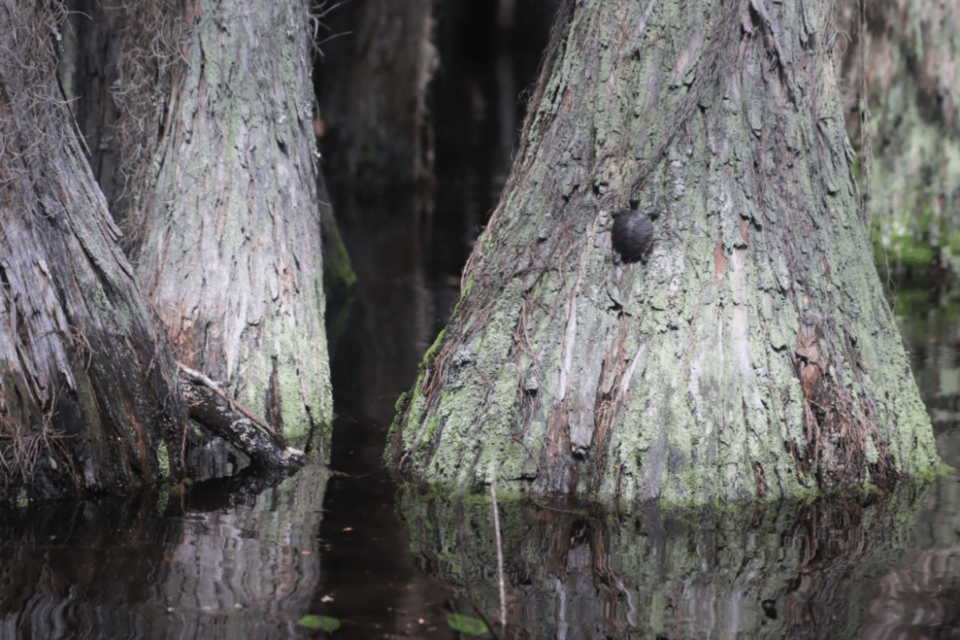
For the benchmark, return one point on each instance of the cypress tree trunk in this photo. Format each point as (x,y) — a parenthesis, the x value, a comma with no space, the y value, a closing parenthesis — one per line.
(753,355)
(231,250)
(86,398)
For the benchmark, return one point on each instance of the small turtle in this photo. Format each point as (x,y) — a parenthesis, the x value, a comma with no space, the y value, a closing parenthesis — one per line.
(633,234)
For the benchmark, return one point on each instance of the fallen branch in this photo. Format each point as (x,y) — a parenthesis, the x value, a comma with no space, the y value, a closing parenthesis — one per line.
(219,416)
(196,376)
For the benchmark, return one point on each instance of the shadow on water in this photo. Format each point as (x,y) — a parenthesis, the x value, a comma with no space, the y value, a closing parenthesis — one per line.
(370,582)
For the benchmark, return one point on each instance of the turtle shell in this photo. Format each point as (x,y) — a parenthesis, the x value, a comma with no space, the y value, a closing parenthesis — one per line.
(632,235)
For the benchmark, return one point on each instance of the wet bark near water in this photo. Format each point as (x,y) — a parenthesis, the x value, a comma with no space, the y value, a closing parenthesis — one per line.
(87,395)
(230,252)
(754,356)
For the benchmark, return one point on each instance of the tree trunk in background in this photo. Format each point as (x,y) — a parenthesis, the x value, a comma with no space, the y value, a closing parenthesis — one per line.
(87,401)
(90,78)
(902,66)
(378,65)
(231,250)
(117,69)
(108,51)
(339,278)
(753,356)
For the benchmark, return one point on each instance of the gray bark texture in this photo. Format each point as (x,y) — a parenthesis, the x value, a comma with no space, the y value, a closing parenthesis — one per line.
(87,67)
(752,356)
(117,66)
(87,398)
(231,250)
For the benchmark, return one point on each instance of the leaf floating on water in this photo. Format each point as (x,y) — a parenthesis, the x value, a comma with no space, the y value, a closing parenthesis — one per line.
(310,621)
(329,624)
(325,623)
(466,624)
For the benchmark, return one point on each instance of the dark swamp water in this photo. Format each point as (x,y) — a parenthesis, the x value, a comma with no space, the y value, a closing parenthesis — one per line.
(355,556)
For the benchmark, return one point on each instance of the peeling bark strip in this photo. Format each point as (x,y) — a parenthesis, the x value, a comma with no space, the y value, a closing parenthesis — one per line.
(87,401)
(231,249)
(734,364)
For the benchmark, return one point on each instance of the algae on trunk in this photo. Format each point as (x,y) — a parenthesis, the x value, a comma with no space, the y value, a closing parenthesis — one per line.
(753,356)
(230,252)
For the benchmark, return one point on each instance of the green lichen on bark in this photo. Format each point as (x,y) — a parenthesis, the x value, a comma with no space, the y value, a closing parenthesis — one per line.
(753,356)
(231,247)
(163,460)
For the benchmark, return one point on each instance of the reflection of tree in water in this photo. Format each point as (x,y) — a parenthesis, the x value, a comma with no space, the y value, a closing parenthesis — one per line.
(774,571)
(216,570)
(920,599)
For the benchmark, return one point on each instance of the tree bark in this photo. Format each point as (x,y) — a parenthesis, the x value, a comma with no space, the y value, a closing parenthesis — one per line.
(87,69)
(231,249)
(87,395)
(339,278)
(753,356)
(117,68)
(263,448)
